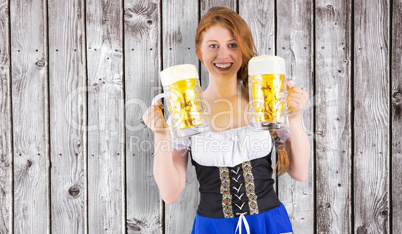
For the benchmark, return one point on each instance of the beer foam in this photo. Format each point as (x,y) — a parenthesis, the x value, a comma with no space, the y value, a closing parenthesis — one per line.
(173,74)
(266,64)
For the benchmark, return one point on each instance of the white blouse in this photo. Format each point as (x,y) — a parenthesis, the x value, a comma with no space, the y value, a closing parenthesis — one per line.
(228,148)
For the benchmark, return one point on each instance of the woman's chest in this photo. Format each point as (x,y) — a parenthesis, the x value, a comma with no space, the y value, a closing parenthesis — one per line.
(225,114)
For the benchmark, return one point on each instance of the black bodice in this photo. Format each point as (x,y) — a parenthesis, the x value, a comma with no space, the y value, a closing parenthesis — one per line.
(228,192)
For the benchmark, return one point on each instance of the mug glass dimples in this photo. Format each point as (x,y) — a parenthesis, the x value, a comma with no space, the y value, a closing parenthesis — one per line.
(182,89)
(267,93)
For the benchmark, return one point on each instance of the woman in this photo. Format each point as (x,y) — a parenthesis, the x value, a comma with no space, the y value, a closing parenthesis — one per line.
(236,185)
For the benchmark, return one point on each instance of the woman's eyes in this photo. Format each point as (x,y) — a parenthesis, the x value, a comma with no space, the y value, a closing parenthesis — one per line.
(214,46)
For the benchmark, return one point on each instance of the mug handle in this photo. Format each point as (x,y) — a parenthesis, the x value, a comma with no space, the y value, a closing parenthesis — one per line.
(157,98)
(155,101)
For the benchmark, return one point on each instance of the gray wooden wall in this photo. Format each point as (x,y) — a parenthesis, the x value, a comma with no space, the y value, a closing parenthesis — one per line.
(76,77)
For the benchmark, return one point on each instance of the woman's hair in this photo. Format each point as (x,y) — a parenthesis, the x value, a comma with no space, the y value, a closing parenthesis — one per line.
(241,32)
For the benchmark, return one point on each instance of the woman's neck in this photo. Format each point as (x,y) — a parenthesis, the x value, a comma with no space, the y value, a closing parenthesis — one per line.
(222,88)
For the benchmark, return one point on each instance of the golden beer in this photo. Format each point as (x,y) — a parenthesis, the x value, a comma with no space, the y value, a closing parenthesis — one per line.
(182,89)
(184,103)
(267,93)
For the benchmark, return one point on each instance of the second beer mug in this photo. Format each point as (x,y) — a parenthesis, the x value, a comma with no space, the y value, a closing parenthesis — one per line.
(184,98)
(267,93)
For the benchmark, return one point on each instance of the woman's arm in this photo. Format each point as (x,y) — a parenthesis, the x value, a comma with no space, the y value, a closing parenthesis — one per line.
(298,145)
(170,165)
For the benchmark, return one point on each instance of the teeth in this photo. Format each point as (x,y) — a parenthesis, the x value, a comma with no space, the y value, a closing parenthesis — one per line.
(226,65)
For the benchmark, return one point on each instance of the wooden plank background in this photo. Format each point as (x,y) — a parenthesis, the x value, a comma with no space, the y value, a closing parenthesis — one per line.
(76,77)
(29,98)
(333,127)
(396,117)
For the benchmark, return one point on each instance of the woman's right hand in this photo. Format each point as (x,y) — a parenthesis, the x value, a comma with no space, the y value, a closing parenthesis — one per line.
(153,118)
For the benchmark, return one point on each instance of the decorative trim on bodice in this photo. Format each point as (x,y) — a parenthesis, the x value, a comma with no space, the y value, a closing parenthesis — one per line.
(250,187)
(225,191)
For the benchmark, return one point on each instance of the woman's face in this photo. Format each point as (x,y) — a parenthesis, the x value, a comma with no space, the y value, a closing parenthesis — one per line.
(220,52)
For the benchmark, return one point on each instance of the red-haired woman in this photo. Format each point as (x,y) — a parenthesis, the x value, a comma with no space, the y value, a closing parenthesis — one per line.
(233,161)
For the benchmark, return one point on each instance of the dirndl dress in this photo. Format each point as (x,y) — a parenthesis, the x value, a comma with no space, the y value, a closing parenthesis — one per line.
(234,172)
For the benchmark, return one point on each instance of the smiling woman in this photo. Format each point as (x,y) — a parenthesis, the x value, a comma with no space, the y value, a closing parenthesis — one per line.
(236,184)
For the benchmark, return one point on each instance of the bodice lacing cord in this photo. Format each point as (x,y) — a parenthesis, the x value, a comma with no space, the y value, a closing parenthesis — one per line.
(242,220)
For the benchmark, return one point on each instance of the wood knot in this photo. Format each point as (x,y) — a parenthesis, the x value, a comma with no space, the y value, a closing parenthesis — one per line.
(328,205)
(384,213)
(136,225)
(362,230)
(74,191)
(397,98)
(40,63)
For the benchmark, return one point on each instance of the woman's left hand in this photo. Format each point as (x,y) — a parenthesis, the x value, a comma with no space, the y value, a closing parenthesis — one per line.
(296,100)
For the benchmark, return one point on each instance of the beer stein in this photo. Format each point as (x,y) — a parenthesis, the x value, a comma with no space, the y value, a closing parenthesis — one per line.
(267,92)
(183,93)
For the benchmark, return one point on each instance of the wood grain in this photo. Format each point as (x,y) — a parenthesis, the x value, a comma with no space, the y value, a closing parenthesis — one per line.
(68,113)
(6,157)
(333,118)
(106,188)
(30,116)
(294,44)
(205,5)
(142,66)
(396,121)
(179,23)
(260,17)
(371,116)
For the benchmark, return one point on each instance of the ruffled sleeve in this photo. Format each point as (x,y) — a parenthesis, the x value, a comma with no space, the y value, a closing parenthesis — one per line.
(179,143)
(283,134)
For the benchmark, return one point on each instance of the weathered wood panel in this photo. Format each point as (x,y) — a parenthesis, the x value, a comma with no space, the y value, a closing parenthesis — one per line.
(332,116)
(294,44)
(142,66)
(205,5)
(6,160)
(179,23)
(68,113)
(30,116)
(371,116)
(396,111)
(260,17)
(106,188)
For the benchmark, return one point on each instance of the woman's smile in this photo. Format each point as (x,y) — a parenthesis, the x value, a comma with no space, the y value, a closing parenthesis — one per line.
(223,66)
(220,51)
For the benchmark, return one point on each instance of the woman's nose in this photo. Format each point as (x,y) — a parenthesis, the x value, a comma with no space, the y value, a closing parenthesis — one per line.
(223,53)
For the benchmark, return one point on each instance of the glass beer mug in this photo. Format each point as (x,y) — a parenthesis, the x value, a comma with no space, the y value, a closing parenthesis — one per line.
(267,92)
(183,92)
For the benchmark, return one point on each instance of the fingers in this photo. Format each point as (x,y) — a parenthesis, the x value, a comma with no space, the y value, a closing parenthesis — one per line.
(296,99)
(153,117)
(152,108)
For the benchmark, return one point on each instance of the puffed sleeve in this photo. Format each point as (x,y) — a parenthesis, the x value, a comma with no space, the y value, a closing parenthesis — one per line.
(283,134)
(179,143)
